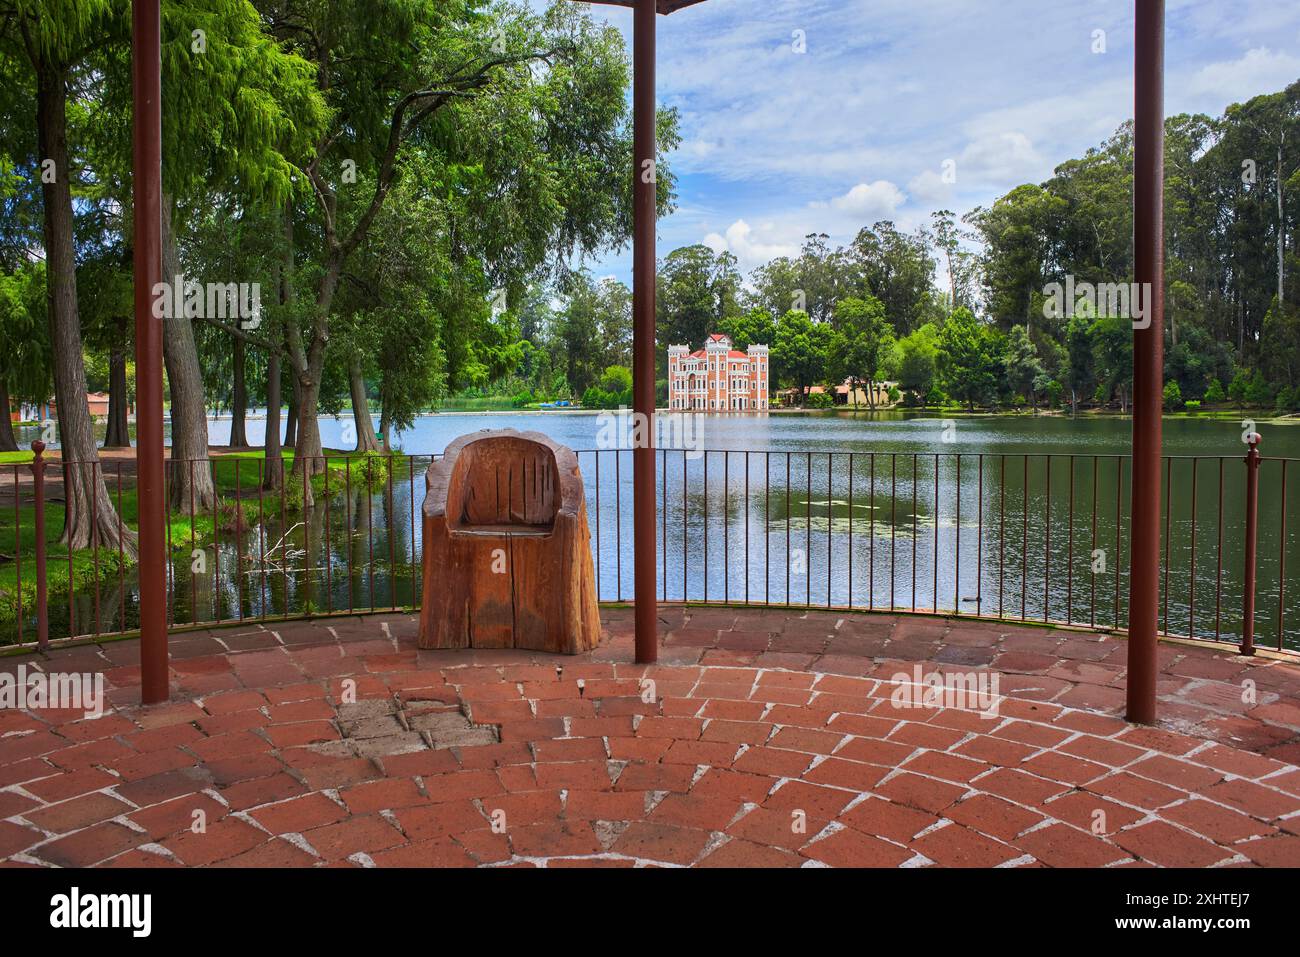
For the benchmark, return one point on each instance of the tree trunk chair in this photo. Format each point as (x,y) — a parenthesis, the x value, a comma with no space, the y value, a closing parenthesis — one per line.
(507,554)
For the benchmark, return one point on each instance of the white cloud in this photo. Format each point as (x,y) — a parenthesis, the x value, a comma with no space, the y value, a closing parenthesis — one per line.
(868,201)
(929,187)
(752,248)
(1260,70)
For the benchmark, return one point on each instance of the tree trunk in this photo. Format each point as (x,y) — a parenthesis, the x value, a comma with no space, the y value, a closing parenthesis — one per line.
(1281,231)
(385,425)
(273,470)
(291,419)
(117,435)
(239,399)
(7,441)
(190,482)
(361,410)
(89,515)
(308,456)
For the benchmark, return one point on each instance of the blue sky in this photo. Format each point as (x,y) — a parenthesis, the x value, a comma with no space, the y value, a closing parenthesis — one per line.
(777,144)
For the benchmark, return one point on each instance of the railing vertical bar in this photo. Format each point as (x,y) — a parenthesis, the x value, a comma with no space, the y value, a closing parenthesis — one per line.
(329,540)
(67,497)
(705,561)
(1191,593)
(121,557)
(18,552)
(216,542)
(1218,575)
(284,530)
(746,514)
(1047,538)
(767,528)
(787,529)
(726,525)
(934,584)
(979,542)
(1069,553)
(370,531)
(893,525)
(618,524)
(1169,510)
(599,554)
(1281,563)
(415,585)
(956,577)
(347,520)
(850,571)
(663,519)
(916,528)
(261,530)
(392,539)
(1119,523)
(807,534)
(1092,601)
(830,494)
(169,566)
(95,476)
(1002,537)
(1024,543)
(871,531)
(194,588)
(238,514)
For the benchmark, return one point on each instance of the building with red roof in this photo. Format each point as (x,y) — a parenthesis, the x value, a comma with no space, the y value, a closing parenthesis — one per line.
(718,378)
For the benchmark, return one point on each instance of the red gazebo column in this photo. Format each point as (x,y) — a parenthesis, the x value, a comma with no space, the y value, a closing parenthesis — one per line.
(1148,357)
(146,179)
(643,328)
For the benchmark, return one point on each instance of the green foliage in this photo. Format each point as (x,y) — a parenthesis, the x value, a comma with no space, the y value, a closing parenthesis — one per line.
(1260,392)
(969,359)
(1173,396)
(370,470)
(918,364)
(799,353)
(1024,370)
(1215,393)
(697,290)
(862,340)
(617,379)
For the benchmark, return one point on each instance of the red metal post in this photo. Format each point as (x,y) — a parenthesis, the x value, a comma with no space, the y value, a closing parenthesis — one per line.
(1148,357)
(146,178)
(643,327)
(38,494)
(1252,540)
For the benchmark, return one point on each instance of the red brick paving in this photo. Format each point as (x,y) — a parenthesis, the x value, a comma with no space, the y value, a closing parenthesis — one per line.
(768,739)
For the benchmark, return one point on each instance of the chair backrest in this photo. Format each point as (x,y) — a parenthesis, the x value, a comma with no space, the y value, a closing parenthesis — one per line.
(503,481)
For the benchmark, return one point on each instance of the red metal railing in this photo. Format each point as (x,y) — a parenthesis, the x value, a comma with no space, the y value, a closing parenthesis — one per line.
(1038,537)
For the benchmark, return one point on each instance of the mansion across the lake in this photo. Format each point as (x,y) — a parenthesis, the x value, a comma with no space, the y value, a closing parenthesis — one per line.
(717,378)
